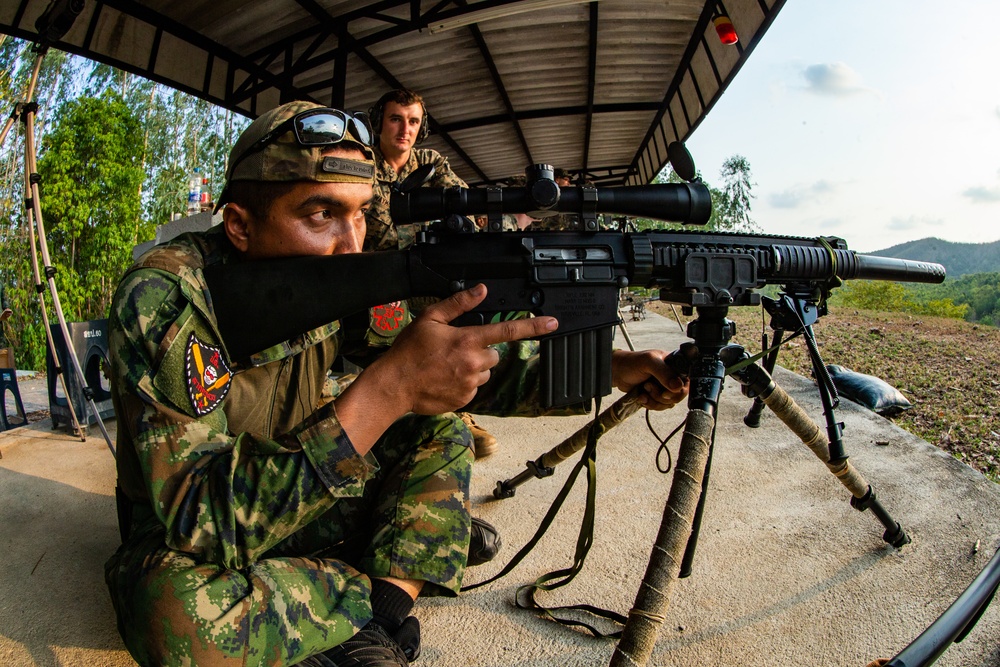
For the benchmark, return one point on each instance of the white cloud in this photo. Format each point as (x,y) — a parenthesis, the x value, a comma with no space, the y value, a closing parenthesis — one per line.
(800,195)
(982,195)
(835,79)
(832,224)
(910,223)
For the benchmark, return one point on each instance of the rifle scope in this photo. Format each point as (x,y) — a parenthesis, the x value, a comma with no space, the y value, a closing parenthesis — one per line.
(687,203)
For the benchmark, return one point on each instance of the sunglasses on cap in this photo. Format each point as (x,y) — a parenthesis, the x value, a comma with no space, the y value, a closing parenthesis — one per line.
(317,127)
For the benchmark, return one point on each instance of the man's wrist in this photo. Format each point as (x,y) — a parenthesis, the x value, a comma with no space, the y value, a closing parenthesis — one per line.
(371,404)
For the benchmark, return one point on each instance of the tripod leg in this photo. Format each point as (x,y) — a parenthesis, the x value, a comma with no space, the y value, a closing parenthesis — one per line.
(710,331)
(30,205)
(33,196)
(650,608)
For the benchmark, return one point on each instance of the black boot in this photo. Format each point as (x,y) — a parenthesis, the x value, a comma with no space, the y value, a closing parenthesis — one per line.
(484,544)
(370,647)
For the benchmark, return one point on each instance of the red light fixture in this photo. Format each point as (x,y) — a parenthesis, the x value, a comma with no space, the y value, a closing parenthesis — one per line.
(726,30)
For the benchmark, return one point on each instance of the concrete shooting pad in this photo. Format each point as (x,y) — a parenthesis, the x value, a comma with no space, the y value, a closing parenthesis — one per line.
(786,571)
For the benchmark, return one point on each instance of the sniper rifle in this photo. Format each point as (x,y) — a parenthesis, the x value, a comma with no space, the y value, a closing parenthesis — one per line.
(575,276)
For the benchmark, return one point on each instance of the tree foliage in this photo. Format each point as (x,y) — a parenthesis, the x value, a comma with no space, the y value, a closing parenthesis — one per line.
(894,297)
(92,175)
(114,153)
(979,293)
(731,204)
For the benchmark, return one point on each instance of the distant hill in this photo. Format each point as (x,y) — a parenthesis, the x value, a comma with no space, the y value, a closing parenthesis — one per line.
(959,259)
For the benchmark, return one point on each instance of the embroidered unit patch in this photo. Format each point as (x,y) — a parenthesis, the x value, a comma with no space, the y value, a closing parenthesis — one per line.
(207,376)
(387,318)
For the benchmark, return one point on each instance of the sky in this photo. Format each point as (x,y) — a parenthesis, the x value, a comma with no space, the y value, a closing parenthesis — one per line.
(877,121)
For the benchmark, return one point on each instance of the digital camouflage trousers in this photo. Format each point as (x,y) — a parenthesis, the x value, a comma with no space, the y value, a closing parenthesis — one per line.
(311,591)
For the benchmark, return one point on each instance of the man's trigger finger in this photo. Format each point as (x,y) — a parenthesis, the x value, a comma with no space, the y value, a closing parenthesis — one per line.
(531,327)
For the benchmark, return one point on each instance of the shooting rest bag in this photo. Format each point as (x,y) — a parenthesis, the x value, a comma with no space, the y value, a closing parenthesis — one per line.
(875,394)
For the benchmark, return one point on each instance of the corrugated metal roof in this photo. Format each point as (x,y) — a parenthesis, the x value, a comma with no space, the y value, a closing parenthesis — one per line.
(599,88)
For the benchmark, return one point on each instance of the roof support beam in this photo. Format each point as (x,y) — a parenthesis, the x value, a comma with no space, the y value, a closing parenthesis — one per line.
(591,83)
(338,92)
(398,28)
(484,50)
(552,112)
(189,35)
(387,76)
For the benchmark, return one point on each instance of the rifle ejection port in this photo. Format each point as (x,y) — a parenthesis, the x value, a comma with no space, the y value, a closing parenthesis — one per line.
(572,254)
(573,265)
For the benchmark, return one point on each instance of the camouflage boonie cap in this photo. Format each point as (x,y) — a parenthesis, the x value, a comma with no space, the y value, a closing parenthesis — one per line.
(284,159)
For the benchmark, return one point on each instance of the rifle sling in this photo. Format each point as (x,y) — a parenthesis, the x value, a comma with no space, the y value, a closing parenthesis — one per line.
(559,578)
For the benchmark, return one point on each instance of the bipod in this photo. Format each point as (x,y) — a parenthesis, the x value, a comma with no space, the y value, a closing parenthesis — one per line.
(797,309)
(673,550)
(33,213)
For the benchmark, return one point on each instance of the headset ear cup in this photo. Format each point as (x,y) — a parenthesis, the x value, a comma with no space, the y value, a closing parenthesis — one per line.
(375,118)
(425,129)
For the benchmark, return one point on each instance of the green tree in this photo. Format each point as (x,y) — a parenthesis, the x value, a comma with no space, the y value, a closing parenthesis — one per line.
(731,204)
(731,207)
(172,132)
(56,78)
(91,174)
(871,295)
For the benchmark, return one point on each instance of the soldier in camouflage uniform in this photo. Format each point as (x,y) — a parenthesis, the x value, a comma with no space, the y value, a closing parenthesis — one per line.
(399,119)
(258,528)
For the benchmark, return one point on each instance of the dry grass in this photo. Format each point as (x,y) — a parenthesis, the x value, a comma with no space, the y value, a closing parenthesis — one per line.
(949,369)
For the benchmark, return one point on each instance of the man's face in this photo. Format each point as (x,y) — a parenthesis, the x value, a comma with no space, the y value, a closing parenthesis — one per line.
(311,219)
(563,181)
(400,127)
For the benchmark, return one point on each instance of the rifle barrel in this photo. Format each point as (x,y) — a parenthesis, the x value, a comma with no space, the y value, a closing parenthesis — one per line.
(805,262)
(872,267)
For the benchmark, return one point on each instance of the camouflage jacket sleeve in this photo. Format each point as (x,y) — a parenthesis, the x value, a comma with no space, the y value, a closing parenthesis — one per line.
(227,496)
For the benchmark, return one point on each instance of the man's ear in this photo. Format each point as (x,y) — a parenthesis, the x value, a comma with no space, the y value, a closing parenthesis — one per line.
(236,222)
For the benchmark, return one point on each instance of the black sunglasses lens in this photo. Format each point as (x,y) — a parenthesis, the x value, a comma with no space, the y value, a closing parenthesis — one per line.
(320,129)
(362,127)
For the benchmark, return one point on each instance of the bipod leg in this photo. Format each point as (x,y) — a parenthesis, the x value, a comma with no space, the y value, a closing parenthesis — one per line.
(795,418)
(710,332)
(624,330)
(837,461)
(544,466)
(752,418)
(677,317)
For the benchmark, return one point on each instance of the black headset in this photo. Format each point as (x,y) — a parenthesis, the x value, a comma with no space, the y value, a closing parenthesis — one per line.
(378,109)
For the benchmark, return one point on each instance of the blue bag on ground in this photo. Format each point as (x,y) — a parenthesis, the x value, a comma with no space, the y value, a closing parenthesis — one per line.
(875,394)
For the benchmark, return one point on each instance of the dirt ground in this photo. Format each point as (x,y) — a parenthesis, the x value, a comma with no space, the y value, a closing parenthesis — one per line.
(947,368)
